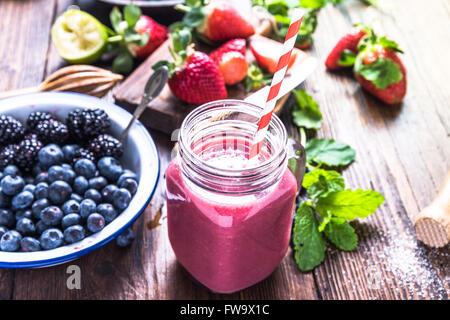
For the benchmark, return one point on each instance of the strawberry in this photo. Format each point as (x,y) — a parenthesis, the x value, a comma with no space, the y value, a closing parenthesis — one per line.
(233,67)
(380,71)
(267,54)
(217,21)
(237,45)
(157,35)
(344,52)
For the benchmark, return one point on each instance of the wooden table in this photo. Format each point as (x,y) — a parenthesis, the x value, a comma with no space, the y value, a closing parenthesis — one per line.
(404,152)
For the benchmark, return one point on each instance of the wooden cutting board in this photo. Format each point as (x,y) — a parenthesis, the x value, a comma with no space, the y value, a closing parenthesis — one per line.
(166,112)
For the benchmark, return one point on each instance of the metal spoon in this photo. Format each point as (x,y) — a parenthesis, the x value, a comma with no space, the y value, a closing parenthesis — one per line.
(153,88)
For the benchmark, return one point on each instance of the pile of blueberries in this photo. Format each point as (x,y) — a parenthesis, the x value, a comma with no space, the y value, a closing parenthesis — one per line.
(62,201)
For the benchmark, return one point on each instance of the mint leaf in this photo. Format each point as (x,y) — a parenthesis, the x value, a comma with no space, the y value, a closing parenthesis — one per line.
(329,152)
(116,17)
(131,13)
(194,17)
(123,63)
(320,182)
(306,111)
(256,78)
(342,235)
(382,73)
(385,42)
(347,58)
(348,204)
(309,243)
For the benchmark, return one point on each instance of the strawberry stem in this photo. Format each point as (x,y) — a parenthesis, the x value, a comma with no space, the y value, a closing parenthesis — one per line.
(183,8)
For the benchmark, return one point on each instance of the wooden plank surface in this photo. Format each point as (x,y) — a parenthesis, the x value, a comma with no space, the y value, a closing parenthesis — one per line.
(401,151)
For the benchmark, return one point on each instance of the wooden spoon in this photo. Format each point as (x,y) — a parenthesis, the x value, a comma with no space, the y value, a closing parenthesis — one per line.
(77,78)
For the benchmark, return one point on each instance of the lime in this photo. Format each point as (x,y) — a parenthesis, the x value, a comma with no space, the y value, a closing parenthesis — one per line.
(79,37)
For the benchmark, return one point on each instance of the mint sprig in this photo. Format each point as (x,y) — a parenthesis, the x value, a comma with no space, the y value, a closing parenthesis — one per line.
(329,152)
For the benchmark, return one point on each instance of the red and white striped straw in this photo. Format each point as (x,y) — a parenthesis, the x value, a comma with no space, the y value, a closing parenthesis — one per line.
(277,80)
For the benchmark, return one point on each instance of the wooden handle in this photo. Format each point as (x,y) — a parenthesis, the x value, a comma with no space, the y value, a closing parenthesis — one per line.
(17,92)
(432,224)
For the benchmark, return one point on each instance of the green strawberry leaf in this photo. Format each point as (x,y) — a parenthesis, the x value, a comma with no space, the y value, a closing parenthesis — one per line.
(385,42)
(347,58)
(313,4)
(123,63)
(382,73)
(309,23)
(131,13)
(320,182)
(116,17)
(306,111)
(329,152)
(341,235)
(309,244)
(350,204)
(194,17)
(256,78)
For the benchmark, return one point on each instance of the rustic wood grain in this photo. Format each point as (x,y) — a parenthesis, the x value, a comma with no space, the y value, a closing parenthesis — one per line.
(401,151)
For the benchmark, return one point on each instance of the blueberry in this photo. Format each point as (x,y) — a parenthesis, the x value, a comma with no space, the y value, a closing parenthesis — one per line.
(38,206)
(5,201)
(55,173)
(36,170)
(107,193)
(29,244)
(69,175)
(24,214)
(7,218)
(3,230)
(110,168)
(76,197)
(25,226)
(93,194)
(41,190)
(11,170)
(59,192)
(127,174)
(41,177)
(80,185)
(69,151)
(41,227)
(87,207)
(74,233)
(126,238)
(50,155)
(10,241)
(98,183)
(22,200)
(66,166)
(95,222)
(30,187)
(70,220)
(71,206)
(51,239)
(12,185)
(107,211)
(129,184)
(122,198)
(51,216)
(85,168)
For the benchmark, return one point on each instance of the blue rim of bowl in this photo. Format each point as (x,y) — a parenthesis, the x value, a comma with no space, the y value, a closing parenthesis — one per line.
(78,254)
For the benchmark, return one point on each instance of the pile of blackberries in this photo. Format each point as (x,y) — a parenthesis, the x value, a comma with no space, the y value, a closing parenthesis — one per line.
(60,182)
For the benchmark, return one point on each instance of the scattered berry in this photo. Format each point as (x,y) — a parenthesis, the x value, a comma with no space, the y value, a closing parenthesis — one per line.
(126,238)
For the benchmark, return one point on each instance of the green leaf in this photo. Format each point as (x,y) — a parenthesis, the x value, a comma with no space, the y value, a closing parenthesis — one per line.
(309,244)
(320,182)
(123,63)
(306,111)
(382,73)
(131,13)
(255,78)
(130,35)
(329,152)
(313,4)
(145,37)
(116,17)
(342,235)
(347,58)
(385,42)
(181,39)
(309,23)
(350,204)
(194,18)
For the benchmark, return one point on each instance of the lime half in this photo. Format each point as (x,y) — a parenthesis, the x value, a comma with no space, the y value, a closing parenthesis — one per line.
(79,37)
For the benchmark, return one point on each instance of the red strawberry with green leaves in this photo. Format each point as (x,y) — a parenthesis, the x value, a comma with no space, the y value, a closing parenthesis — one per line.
(344,52)
(218,20)
(267,54)
(380,71)
(235,45)
(157,35)
(230,58)
(193,76)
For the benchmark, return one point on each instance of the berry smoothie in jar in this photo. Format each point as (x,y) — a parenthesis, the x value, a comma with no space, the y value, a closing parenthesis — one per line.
(229,218)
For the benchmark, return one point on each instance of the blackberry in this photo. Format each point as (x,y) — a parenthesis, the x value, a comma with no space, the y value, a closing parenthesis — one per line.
(11,130)
(83,153)
(85,124)
(52,131)
(106,145)
(35,117)
(7,155)
(27,153)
